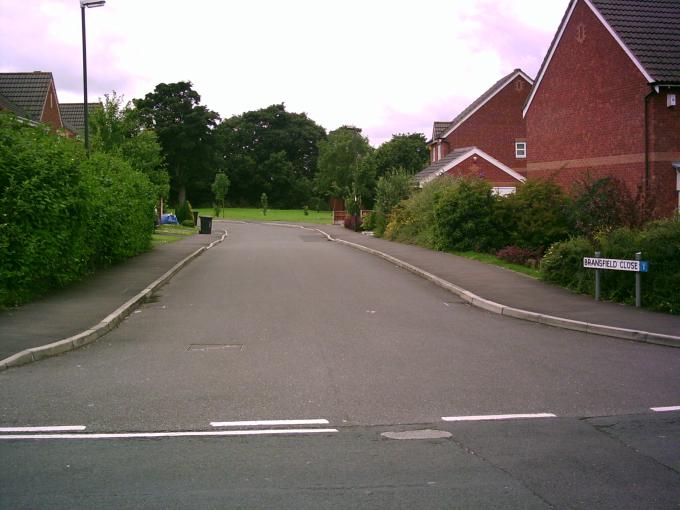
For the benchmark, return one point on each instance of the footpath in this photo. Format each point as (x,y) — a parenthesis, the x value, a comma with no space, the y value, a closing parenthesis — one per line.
(96,304)
(516,295)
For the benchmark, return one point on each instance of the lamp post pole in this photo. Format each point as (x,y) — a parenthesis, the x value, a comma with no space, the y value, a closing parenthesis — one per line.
(85,112)
(88,4)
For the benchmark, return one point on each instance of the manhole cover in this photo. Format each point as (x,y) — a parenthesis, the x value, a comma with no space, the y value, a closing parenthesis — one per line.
(215,347)
(417,434)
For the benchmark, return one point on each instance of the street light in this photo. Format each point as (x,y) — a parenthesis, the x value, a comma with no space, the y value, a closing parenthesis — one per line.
(89,4)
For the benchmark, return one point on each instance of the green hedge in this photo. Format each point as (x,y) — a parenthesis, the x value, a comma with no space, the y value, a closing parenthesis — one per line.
(61,215)
(659,243)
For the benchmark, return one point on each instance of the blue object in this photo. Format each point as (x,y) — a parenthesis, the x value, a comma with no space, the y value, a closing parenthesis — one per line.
(169,219)
(644,266)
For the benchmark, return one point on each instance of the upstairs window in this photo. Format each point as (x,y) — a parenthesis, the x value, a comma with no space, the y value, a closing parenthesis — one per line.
(520,150)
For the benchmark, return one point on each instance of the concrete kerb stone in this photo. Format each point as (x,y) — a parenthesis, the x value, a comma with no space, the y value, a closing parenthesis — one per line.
(104,326)
(493,307)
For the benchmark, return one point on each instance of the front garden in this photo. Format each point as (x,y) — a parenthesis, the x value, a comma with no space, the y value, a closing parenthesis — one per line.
(540,227)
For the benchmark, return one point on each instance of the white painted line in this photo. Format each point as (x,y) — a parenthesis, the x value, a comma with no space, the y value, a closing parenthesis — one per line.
(60,428)
(267,423)
(498,417)
(665,409)
(153,435)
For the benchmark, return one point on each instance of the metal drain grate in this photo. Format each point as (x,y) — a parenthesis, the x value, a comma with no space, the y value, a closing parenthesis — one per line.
(215,347)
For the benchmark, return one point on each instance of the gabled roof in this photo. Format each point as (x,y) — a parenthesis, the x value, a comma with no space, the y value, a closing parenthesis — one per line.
(72,115)
(456,157)
(483,99)
(438,128)
(650,29)
(647,30)
(27,91)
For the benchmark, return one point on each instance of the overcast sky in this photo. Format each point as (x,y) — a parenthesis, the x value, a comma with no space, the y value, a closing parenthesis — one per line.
(384,66)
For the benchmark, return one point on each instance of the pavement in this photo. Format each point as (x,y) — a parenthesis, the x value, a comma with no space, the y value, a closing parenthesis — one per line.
(72,317)
(90,308)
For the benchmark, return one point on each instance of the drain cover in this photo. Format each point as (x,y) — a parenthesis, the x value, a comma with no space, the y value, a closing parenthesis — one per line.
(215,347)
(417,434)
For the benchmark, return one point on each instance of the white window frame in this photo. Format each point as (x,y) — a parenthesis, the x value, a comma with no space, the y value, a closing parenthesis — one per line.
(520,150)
(439,151)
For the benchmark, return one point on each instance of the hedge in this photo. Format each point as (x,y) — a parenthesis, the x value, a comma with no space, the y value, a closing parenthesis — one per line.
(659,243)
(62,215)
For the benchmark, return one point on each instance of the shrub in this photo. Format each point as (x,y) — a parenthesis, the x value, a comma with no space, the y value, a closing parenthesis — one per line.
(660,245)
(368,222)
(188,223)
(517,255)
(62,215)
(562,264)
(391,189)
(537,215)
(464,216)
(184,212)
(412,220)
(602,205)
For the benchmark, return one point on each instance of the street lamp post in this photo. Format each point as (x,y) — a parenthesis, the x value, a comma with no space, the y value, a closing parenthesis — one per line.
(89,4)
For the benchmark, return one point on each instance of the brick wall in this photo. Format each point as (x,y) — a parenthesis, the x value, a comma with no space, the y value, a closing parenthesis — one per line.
(496,126)
(588,115)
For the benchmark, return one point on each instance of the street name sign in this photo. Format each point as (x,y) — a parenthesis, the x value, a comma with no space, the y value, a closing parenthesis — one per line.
(637,266)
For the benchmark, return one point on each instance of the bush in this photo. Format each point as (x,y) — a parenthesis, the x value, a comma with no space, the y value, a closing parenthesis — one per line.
(368,222)
(184,212)
(188,223)
(602,205)
(562,264)
(391,189)
(412,220)
(517,255)
(660,245)
(536,216)
(464,217)
(61,215)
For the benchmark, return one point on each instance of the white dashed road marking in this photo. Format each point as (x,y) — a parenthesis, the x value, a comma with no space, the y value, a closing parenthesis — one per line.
(665,409)
(498,417)
(60,428)
(268,423)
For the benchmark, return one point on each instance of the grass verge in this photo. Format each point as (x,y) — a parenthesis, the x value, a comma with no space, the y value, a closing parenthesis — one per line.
(251,214)
(495,261)
(165,234)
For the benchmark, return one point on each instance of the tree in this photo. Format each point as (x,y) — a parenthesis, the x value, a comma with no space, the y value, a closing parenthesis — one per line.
(391,188)
(185,130)
(116,129)
(220,187)
(270,151)
(405,151)
(344,168)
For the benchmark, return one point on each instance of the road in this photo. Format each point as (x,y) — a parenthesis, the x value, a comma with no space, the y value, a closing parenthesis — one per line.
(279,324)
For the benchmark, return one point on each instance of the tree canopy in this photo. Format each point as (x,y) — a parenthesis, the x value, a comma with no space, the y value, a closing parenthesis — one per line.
(185,130)
(270,151)
(405,151)
(344,167)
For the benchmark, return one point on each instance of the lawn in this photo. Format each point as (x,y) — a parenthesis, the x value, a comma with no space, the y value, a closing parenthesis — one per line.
(495,261)
(292,215)
(164,234)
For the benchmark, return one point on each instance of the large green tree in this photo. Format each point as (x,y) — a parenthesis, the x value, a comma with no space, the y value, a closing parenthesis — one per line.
(404,151)
(345,168)
(185,130)
(270,151)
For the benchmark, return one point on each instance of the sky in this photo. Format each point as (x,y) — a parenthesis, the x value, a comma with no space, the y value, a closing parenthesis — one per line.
(385,66)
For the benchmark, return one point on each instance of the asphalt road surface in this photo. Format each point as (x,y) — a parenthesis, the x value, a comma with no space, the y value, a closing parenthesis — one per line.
(268,371)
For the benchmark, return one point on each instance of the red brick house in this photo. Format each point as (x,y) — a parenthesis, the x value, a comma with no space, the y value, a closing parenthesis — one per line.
(489,136)
(605,101)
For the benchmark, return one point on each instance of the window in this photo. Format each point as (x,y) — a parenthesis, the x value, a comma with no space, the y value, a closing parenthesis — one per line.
(439,151)
(520,150)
